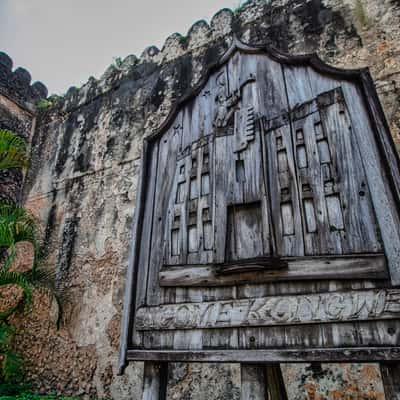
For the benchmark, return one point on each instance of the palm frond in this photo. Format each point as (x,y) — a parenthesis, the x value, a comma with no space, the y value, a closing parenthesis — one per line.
(6,336)
(13,152)
(16,278)
(16,225)
(11,366)
(44,280)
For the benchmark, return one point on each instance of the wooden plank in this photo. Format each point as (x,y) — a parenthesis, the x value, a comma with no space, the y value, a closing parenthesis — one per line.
(252,382)
(371,266)
(276,389)
(351,354)
(283,190)
(319,238)
(318,308)
(384,203)
(133,267)
(390,373)
(381,164)
(167,165)
(155,381)
(353,216)
(146,230)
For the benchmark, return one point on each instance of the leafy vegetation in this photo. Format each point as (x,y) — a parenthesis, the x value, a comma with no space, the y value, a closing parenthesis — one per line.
(11,361)
(16,225)
(43,104)
(13,152)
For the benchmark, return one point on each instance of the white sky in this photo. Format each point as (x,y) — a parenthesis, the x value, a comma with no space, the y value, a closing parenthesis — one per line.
(63,42)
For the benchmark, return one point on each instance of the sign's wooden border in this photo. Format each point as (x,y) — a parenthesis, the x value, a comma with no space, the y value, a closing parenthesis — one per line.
(355,354)
(391,164)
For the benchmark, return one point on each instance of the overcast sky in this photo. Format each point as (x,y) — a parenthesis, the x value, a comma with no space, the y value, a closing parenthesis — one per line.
(63,42)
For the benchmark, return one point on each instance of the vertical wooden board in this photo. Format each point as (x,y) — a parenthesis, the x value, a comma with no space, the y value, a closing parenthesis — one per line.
(358,218)
(224,192)
(144,249)
(298,85)
(283,192)
(244,233)
(248,146)
(384,206)
(275,383)
(169,145)
(272,97)
(319,236)
(253,382)
(191,122)
(155,381)
(390,373)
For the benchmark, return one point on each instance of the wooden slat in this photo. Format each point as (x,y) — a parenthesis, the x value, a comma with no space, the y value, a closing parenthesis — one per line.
(344,267)
(276,389)
(351,354)
(146,231)
(316,308)
(390,373)
(133,269)
(253,382)
(384,203)
(165,175)
(155,381)
(283,190)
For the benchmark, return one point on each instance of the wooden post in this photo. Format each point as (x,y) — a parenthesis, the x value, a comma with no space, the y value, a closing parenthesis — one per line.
(275,385)
(391,380)
(253,381)
(155,381)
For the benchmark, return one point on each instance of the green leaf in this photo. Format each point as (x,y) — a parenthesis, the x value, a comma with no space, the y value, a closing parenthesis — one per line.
(16,225)
(16,278)
(11,367)
(13,152)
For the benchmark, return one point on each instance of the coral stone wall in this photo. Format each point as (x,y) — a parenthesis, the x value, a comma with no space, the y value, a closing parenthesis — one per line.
(82,185)
(17,113)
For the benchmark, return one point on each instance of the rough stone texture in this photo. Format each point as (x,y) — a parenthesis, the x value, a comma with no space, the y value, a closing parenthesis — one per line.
(333,381)
(17,113)
(82,184)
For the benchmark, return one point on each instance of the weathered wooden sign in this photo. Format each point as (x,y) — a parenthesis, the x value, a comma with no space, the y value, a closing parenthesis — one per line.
(267,218)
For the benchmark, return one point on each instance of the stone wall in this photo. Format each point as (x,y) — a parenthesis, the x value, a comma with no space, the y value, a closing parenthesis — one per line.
(17,113)
(82,184)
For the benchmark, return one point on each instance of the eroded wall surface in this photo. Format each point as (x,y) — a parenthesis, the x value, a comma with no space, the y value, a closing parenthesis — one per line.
(17,113)
(82,185)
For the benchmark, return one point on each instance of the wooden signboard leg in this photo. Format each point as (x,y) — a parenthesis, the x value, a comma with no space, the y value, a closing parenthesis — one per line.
(391,380)
(275,385)
(261,382)
(253,381)
(155,380)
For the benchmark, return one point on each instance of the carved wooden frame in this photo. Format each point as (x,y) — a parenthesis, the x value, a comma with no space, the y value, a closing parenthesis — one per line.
(390,161)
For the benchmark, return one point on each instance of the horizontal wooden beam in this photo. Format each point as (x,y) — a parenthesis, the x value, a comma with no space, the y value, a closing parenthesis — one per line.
(368,266)
(329,307)
(357,354)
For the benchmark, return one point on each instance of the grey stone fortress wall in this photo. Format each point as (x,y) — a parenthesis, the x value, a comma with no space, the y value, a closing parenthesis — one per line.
(17,113)
(82,187)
